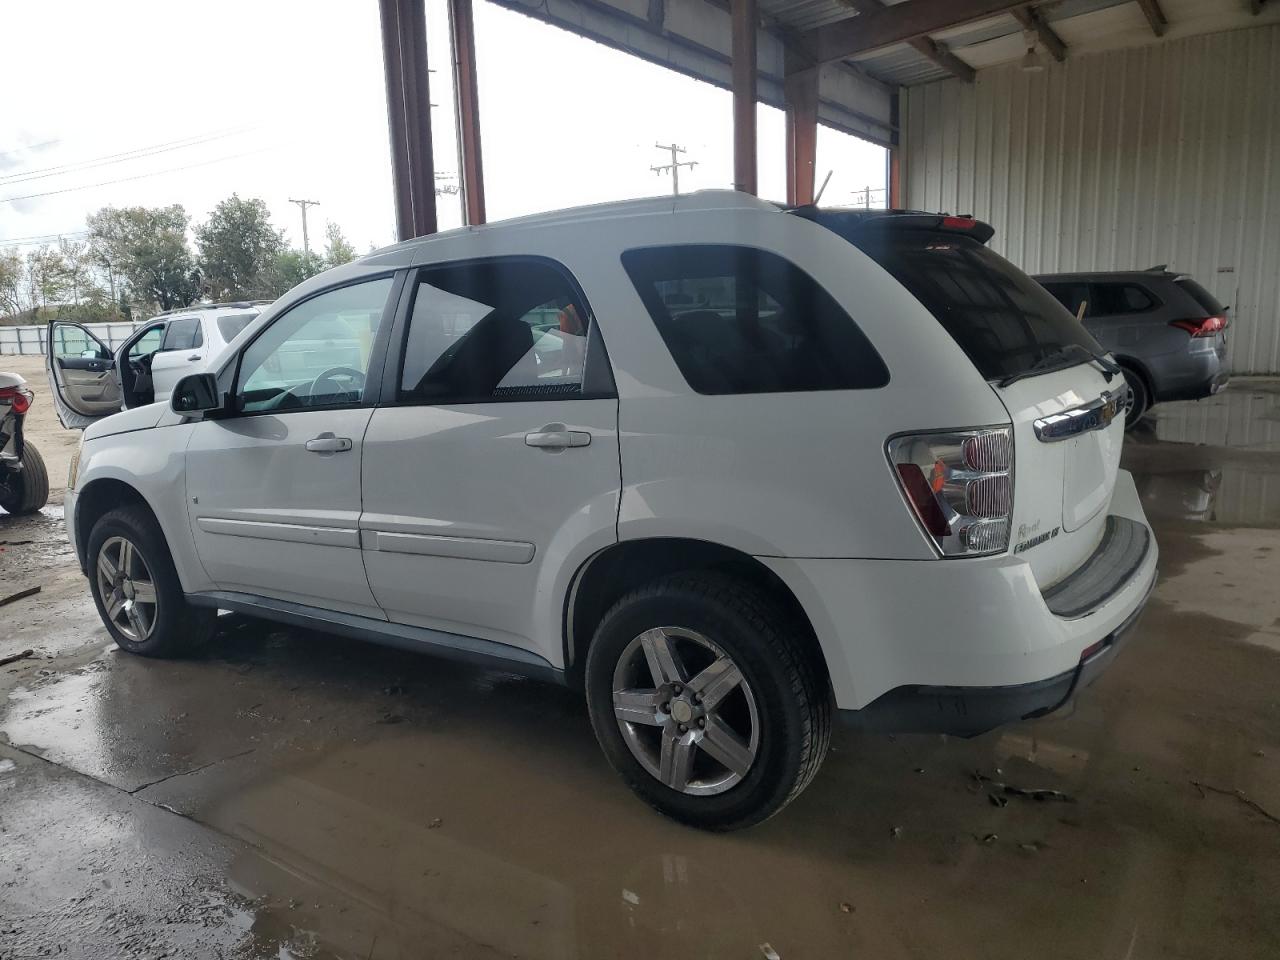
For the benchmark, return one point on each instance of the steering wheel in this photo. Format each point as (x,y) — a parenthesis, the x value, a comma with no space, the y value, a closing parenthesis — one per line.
(355,377)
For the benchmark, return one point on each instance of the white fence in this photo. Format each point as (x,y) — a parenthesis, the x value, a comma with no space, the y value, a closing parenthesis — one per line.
(30,339)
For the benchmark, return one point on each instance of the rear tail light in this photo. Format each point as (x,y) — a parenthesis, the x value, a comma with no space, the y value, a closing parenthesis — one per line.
(959,484)
(1204,327)
(17,398)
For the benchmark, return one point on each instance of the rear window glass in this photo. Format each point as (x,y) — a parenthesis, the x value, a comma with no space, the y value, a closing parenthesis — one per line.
(232,324)
(741,320)
(1203,297)
(1002,319)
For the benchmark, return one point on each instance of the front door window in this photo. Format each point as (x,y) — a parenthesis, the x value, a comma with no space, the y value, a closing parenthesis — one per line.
(315,355)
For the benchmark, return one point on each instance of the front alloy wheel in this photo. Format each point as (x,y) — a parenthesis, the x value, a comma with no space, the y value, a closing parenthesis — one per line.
(136,588)
(685,711)
(127,588)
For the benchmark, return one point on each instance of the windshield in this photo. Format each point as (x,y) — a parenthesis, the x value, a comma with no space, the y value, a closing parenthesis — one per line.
(1003,320)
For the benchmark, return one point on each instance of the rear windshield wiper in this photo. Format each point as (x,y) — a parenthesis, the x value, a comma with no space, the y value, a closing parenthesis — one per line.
(1054,360)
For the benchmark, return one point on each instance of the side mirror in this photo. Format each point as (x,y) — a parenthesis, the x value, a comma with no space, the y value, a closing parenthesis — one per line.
(195,395)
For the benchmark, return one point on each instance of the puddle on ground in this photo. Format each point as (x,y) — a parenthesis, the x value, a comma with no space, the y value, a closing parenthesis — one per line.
(1216,460)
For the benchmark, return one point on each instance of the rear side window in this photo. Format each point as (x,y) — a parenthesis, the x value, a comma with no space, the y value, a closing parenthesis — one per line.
(1213,307)
(503,329)
(1110,299)
(1002,319)
(183,334)
(231,324)
(741,320)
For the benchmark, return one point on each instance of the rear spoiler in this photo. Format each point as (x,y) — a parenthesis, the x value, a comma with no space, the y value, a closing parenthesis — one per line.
(848,223)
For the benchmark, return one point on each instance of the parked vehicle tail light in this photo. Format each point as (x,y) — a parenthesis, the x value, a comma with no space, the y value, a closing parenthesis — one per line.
(1205,327)
(959,484)
(17,398)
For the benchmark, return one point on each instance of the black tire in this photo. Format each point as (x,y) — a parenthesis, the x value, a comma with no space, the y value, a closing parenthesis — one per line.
(790,693)
(177,627)
(1141,398)
(28,489)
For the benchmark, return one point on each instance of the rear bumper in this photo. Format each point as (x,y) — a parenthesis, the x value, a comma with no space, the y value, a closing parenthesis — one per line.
(970,711)
(976,640)
(1188,376)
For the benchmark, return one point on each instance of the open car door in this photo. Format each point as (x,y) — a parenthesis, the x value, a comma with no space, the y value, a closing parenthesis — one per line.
(82,375)
(133,365)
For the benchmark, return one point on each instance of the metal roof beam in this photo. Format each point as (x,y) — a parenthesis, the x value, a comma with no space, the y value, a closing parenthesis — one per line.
(1155,16)
(900,23)
(939,53)
(1031,19)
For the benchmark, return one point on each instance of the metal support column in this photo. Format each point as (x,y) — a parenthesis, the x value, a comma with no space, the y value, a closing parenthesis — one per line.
(801,92)
(745,19)
(466,103)
(404,58)
(894,199)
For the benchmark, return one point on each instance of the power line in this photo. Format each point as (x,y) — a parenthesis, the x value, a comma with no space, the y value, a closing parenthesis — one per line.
(29,146)
(111,158)
(140,176)
(36,240)
(674,166)
(302,205)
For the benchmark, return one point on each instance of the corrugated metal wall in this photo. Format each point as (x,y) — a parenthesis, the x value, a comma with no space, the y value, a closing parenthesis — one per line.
(1122,160)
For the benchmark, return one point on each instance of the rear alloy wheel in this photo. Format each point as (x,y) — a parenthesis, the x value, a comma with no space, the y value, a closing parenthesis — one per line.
(1137,398)
(705,699)
(136,587)
(696,729)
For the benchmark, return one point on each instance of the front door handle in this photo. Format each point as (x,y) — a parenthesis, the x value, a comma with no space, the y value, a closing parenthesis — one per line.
(556,436)
(194,356)
(328,443)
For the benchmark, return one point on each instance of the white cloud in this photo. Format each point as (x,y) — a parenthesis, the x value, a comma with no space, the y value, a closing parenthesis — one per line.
(564,120)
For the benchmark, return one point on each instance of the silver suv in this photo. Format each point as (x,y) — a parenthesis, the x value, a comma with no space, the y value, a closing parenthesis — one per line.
(1167,331)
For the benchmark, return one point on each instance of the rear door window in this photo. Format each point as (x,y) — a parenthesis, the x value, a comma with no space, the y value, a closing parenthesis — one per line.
(1003,320)
(183,334)
(1113,299)
(1071,295)
(510,328)
(741,320)
(230,324)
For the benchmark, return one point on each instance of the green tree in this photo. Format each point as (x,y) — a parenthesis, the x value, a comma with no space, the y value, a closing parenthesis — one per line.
(13,283)
(289,269)
(79,263)
(337,250)
(147,248)
(238,249)
(48,278)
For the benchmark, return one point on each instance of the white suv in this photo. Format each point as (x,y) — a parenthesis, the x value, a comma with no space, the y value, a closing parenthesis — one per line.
(89,380)
(728,468)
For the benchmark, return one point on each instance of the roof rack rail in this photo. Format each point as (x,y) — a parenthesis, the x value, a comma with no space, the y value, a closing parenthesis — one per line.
(219,305)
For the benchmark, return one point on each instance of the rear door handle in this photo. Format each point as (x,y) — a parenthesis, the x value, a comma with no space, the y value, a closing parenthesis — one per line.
(328,443)
(555,436)
(194,356)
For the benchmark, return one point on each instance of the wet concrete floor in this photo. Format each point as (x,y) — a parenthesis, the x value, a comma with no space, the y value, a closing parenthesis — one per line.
(289,794)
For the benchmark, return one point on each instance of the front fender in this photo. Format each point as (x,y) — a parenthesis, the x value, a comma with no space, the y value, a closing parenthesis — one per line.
(154,467)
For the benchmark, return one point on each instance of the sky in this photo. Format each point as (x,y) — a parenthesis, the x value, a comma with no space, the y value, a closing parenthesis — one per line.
(154,102)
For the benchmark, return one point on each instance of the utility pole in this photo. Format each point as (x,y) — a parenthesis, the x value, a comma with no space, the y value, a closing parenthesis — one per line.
(302,205)
(674,166)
